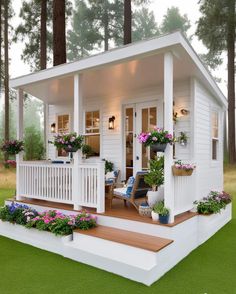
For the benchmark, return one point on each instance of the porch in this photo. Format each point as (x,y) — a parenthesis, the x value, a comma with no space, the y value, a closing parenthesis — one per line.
(146,85)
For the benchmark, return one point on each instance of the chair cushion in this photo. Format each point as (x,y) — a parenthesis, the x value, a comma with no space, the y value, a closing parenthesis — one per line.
(130,185)
(121,192)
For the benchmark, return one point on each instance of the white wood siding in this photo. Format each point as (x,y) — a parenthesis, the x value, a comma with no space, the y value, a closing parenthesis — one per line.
(209,172)
(112,140)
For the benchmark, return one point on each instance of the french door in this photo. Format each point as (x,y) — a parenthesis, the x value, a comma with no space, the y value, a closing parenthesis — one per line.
(139,117)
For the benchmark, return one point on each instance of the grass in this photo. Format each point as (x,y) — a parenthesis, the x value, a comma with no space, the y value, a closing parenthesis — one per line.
(210,269)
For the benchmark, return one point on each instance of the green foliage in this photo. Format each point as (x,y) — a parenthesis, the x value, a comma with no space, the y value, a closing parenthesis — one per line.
(108,166)
(144,25)
(83,37)
(87,150)
(33,144)
(213,203)
(28,31)
(173,20)
(155,176)
(160,208)
(218,18)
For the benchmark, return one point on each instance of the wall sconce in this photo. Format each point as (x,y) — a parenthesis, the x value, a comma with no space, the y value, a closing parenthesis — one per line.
(184,111)
(111,124)
(53,128)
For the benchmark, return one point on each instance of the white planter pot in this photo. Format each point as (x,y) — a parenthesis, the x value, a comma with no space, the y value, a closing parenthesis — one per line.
(155,216)
(43,240)
(155,196)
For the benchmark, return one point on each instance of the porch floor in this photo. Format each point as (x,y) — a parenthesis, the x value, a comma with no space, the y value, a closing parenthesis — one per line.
(118,210)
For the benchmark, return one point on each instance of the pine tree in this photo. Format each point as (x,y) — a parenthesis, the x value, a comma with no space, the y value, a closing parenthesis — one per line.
(83,37)
(144,25)
(173,20)
(216,29)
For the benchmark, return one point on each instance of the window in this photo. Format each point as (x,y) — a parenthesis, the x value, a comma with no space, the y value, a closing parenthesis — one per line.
(63,123)
(92,131)
(63,127)
(215,134)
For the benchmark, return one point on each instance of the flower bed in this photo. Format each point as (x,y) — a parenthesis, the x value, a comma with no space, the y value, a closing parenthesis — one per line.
(50,221)
(213,203)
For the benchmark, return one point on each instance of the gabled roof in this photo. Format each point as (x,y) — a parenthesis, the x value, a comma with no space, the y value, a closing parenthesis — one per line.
(122,54)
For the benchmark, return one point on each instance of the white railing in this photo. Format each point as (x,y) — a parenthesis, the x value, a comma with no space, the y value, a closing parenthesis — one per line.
(91,185)
(184,187)
(81,185)
(51,182)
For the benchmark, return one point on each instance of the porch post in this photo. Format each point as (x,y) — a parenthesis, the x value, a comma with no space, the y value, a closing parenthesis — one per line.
(46,126)
(78,123)
(168,125)
(19,133)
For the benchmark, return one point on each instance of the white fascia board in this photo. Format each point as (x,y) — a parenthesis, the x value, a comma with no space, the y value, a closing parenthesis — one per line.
(110,57)
(204,71)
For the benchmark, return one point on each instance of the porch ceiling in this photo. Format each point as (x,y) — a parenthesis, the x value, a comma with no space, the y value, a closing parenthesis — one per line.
(112,80)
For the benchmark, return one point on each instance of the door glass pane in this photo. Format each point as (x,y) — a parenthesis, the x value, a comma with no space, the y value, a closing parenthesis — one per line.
(129,116)
(149,119)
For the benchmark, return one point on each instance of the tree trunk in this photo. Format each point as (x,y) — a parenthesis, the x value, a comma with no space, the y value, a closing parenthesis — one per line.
(6,72)
(106,30)
(231,83)
(59,36)
(43,35)
(127,22)
(1,46)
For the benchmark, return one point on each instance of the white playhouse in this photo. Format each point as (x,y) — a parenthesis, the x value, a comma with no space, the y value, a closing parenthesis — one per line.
(110,98)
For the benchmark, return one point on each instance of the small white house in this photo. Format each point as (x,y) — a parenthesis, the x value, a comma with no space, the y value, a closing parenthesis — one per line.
(137,86)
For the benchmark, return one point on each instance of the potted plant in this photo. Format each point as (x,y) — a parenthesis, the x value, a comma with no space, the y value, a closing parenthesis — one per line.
(182,169)
(69,142)
(157,139)
(155,178)
(162,211)
(12,147)
(86,151)
(183,139)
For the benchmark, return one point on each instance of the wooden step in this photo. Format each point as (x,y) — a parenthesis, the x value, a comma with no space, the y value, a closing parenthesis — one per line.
(138,240)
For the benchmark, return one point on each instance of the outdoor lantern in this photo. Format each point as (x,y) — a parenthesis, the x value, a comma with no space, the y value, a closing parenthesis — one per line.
(111,123)
(53,128)
(184,111)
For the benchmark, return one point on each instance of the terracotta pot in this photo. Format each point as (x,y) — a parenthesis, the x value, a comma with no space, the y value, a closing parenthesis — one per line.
(158,147)
(181,172)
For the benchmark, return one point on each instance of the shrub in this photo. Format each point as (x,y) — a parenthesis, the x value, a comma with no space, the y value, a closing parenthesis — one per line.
(33,143)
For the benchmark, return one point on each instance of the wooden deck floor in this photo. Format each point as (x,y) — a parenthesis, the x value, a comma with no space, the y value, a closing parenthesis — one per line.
(138,240)
(118,210)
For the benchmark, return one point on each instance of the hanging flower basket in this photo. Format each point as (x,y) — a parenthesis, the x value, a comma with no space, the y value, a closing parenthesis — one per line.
(156,139)
(69,142)
(182,169)
(12,147)
(158,147)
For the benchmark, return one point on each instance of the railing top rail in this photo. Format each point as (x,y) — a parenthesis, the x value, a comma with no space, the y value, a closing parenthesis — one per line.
(49,165)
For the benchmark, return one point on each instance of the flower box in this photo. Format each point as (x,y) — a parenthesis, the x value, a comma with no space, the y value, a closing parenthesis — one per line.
(40,239)
(181,172)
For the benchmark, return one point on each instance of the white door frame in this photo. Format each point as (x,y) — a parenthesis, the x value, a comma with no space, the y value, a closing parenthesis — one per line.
(137,126)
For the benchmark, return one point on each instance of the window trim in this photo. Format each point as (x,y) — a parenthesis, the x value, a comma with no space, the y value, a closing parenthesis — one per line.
(93,134)
(69,130)
(217,139)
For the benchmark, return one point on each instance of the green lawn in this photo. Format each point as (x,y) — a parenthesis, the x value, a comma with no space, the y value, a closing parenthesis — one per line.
(210,269)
